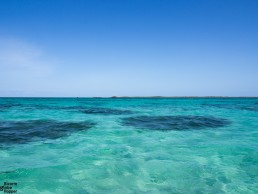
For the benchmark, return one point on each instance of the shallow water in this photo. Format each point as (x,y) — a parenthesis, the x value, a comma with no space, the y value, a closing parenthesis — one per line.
(95,145)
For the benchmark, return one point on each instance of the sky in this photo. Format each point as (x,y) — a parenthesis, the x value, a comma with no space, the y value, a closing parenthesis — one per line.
(89,48)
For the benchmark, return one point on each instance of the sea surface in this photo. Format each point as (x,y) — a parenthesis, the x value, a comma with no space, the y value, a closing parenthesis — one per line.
(129,145)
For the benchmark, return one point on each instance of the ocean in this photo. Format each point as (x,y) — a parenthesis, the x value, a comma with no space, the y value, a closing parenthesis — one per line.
(129,145)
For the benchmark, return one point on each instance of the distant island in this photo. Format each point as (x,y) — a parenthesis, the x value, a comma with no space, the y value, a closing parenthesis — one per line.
(179,97)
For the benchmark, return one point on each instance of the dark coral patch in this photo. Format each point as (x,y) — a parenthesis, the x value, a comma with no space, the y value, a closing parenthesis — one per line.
(105,111)
(165,123)
(7,106)
(248,107)
(18,132)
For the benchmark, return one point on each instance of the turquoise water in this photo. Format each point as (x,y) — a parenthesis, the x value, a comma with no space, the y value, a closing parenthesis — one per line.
(95,145)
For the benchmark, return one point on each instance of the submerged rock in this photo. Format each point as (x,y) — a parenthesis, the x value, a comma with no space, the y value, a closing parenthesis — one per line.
(165,123)
(105,111)
(8,106)
(248,107)
(18,132)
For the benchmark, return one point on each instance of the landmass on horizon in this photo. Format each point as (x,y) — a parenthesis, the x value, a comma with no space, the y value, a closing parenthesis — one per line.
(153,97)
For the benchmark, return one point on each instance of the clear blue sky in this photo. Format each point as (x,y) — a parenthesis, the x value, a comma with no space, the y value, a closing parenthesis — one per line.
(128,47)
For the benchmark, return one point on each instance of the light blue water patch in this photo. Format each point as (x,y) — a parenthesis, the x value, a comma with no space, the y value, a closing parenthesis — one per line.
(111,157)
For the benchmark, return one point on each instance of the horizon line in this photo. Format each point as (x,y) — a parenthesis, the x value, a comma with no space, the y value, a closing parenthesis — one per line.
(113,97)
